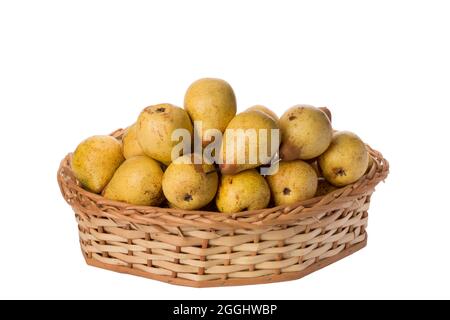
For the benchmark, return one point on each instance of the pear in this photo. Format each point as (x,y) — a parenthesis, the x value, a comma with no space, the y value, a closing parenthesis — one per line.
(324,187)
(189,184)
(95,160)
(259,136)
(211,101)
(306,133)
(137,181)
(131,147)
(155,126)
(246,190)
(346,160)
(295,181)
(265,110)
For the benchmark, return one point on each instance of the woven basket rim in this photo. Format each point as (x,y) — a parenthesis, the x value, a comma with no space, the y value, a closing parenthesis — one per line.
(284,213)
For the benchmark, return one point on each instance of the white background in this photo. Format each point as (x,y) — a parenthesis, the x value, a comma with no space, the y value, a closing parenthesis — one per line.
(69,70)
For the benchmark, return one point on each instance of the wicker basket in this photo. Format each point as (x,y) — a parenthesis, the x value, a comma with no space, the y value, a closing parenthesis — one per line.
(205,249)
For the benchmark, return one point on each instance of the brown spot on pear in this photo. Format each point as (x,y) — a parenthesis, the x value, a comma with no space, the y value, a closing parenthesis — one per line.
(246,190)
(346,160)
(95,160)
(295,181)
(306,132)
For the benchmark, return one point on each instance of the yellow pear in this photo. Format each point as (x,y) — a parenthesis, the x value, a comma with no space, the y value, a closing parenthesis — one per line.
(306,133)
(211,101)
(246,190)
(346,160)
(95,160)
(295,181)
(256,128)
(131,147)
(155,126)
(137,181)
(190,184)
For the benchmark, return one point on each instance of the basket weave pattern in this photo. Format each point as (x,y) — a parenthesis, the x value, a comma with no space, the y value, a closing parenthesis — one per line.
(202,249)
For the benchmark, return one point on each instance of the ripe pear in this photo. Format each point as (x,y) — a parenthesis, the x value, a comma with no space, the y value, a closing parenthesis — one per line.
(306,133)
(346,160)
(265,110)
(155,126)
(95,160)
(131,147)
(246,190)
(295,181)
(259,138)
(324,187)
(137,181)
(211,101)
(190,185)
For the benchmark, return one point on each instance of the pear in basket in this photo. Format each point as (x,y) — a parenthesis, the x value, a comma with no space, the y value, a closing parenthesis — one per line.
(346,160)
(306,133)
(246,190)
(211,101)
(95,160)
(259,134)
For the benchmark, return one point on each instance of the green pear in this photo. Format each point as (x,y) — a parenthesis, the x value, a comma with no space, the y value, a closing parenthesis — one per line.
(189,185)
(95,160)
(155,126)
(137,181)
(294,181)
(211,101)
(346,160)
(306,133)
(246,190)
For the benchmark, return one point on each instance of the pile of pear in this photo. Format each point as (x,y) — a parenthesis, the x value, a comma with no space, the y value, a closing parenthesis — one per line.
(137,169)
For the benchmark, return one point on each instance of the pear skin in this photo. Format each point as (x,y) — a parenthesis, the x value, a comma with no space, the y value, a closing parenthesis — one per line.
(211,101)
(188,185)
(246,190)
(346,160)
(95,160)
(306,133)
(155,126)
(260,128)
(295,181)
(137,181)
(130,144)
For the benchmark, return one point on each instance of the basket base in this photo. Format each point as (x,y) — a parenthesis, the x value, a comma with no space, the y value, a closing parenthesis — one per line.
(231,282)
